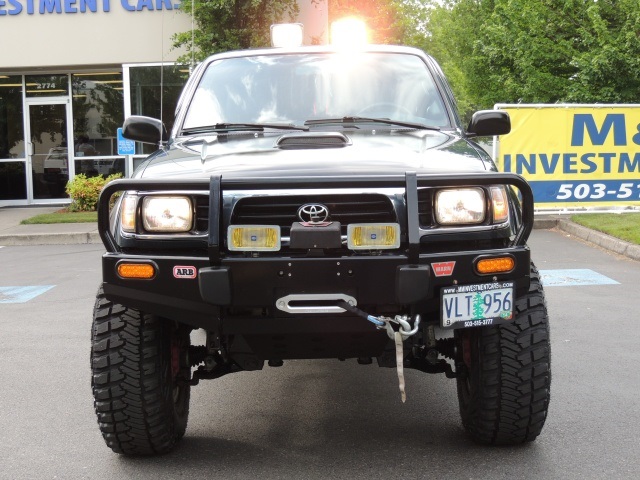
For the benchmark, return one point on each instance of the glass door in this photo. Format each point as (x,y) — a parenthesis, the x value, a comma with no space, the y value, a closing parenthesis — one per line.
(48,152)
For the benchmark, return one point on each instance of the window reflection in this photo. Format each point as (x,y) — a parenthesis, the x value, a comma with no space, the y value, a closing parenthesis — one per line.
(97,113)
(13,182)
(49,159)
(295,88)
(47,85)
(103,166)
(11,117)
(146,94)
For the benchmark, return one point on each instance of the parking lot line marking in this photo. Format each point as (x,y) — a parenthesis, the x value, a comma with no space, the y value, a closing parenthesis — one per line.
(574,277)
(22,294)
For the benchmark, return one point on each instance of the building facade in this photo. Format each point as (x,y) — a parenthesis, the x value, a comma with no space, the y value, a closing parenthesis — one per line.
(72,70)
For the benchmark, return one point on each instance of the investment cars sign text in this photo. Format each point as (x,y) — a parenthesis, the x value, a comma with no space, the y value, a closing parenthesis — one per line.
(575,155)
(43,7)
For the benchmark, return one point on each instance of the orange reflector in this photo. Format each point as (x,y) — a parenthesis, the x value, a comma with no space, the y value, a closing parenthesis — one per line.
(136,270)
(495,265)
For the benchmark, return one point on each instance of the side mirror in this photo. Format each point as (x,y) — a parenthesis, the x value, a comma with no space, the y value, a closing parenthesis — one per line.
(144,129)
(486,123)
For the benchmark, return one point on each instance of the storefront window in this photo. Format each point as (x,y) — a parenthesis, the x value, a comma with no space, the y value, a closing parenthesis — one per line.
(13,182)
(11,117)
(146,94)
(104,166)
(47,85)
(98,112)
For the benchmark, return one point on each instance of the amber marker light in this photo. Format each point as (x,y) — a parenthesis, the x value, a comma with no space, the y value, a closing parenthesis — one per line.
(128,213)
(486,266)
(500,204)
(143,271)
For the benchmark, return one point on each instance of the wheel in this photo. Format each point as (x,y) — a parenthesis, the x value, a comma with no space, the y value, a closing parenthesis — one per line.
(140,373)
(503,389)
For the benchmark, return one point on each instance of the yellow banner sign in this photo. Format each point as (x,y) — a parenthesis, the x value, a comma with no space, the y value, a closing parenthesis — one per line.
(575,156)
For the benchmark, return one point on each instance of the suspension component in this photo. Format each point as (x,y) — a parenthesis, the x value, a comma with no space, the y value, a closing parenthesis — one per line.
(447,347)
(197,355)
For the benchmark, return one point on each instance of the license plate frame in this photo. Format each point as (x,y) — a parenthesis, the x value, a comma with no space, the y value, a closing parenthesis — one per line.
(477,305)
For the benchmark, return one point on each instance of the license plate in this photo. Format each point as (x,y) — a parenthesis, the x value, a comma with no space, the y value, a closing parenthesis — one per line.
(476,305)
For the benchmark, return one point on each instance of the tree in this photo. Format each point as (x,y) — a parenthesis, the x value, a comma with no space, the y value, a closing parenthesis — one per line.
(608,65)
(384,18)
(445,30)
(223,25)
(535,51)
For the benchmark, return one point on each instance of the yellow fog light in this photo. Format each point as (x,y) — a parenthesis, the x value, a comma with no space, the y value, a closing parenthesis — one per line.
(366,236)
(487,266)
(143,271)
(250,238)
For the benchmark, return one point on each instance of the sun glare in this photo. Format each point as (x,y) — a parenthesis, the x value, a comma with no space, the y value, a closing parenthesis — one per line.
(349,33)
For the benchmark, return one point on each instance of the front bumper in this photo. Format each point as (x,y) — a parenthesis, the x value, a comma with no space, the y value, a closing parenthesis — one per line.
(378,284)
(241,294)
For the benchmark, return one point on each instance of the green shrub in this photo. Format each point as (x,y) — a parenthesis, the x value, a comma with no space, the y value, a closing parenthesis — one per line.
(84,192)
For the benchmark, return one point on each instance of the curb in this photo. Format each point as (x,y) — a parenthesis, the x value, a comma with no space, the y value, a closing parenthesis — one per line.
(601,239)
(50,239)
(545,223)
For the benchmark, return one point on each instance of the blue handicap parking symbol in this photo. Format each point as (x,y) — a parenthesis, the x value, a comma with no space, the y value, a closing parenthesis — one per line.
(22,294)
(574,277)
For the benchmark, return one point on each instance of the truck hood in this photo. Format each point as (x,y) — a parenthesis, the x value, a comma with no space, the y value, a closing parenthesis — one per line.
(370,152)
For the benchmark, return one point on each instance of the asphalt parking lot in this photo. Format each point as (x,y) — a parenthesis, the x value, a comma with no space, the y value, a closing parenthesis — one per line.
(322,419)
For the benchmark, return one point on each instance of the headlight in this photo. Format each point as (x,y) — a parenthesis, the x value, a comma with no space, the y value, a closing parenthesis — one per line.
(373,236)
(167,214)
(253,238)
(460,206)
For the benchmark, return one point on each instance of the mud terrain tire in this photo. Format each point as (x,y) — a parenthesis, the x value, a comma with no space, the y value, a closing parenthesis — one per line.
(503,392)
(139,370)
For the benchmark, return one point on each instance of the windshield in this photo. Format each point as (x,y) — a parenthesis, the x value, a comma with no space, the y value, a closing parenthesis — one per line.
(295,88)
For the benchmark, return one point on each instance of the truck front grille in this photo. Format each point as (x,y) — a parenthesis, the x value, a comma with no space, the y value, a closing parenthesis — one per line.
(282,210)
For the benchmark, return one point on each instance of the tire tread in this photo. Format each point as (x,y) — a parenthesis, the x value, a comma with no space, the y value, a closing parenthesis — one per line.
(130,400)
(513,394)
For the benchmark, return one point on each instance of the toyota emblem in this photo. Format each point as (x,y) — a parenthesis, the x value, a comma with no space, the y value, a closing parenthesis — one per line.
(313,213)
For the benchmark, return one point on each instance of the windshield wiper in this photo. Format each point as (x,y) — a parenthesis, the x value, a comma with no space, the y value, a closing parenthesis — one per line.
(354,120)
(228,127)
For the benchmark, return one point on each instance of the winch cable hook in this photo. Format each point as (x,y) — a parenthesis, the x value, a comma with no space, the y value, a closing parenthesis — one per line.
(404,327)
(398,336)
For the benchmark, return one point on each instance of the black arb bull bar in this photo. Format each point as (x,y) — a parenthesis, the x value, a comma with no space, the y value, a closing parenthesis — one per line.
(216,268)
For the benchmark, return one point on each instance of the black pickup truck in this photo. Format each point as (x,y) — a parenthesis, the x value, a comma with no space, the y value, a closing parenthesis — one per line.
(313,203)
